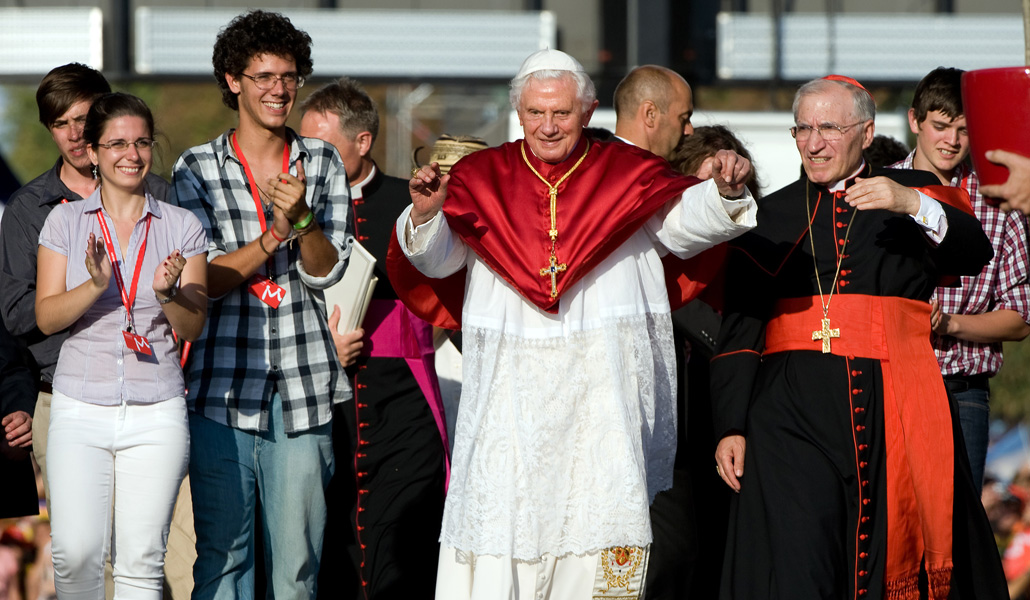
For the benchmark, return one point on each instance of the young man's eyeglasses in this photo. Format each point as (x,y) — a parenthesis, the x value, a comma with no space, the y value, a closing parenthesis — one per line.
(122,145)
(828,131)
(267,81)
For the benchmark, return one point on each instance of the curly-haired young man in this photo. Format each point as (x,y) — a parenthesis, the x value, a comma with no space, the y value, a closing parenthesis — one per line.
(264,375)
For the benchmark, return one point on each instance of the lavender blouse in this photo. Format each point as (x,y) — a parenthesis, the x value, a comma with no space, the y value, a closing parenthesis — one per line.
(95,365)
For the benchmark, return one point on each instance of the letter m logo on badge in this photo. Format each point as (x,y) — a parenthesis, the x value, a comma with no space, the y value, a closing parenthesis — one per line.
(268,293)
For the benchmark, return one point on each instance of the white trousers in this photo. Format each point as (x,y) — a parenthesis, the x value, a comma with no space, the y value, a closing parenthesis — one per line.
(133,455)
(611,574)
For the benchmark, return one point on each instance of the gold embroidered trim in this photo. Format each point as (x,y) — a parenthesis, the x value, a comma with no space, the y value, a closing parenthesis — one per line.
(622,568)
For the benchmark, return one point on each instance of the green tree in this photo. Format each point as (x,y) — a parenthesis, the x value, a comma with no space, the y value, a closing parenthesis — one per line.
(185,114)
(1009,390)
(29,150)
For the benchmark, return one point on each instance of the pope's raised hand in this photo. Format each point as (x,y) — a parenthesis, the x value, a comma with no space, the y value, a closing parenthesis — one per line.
(428,189)
(730,171)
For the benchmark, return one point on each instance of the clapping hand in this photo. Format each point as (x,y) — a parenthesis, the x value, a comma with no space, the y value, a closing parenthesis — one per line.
(289,206)
(168,273)
(98,263)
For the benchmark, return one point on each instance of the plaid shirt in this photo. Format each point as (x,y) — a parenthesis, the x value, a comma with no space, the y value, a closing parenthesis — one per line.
(249,350)
(1001,285)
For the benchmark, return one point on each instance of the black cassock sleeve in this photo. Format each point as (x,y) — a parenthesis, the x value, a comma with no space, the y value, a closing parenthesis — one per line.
(741,340)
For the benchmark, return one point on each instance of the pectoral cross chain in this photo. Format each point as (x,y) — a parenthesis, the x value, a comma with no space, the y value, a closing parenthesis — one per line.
(825,334)
(553,267)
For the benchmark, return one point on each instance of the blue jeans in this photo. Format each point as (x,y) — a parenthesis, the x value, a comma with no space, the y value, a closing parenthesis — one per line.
(230,469)
(974,413)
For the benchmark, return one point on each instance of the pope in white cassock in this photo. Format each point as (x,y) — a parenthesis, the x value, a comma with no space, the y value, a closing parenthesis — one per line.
(567,424)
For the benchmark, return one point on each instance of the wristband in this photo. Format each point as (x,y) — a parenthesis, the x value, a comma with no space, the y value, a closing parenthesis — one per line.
(303,223)
(275,237)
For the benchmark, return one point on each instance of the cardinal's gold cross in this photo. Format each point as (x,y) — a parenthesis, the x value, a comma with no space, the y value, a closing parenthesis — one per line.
(825,334)
(552,270)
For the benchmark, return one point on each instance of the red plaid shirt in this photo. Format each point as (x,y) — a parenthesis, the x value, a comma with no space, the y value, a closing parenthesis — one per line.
(1001,285)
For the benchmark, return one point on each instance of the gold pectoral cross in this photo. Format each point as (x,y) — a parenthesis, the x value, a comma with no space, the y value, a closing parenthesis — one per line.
(552,270)
(825,334)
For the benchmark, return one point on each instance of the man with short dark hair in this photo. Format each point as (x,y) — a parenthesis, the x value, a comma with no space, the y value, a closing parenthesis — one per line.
(390,442)
(263,377)
(850,485)
(653,107)
(971,321)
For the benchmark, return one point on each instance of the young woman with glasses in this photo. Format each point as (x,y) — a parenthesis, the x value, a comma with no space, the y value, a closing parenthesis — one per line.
(119,436)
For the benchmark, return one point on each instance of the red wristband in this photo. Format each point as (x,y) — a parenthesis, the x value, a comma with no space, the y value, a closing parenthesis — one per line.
(275,237)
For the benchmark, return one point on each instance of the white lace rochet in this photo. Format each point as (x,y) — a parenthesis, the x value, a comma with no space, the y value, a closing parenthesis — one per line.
(561,443)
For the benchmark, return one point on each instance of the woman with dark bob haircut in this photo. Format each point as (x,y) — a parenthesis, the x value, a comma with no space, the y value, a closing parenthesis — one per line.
(118,429)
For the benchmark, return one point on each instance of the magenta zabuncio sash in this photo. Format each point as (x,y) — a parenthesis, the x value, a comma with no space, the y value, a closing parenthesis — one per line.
(397,333)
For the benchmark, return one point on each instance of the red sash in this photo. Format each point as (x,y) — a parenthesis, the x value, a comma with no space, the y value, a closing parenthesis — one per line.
(917,422)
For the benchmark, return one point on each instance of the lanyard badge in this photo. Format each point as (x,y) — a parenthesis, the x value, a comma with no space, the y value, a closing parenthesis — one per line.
(133,341)
(266,290)
(260,285)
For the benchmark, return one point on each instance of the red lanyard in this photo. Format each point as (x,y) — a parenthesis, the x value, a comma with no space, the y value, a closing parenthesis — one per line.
(250,178)
(128,299)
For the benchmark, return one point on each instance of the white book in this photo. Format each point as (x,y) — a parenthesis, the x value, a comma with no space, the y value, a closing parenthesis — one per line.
(354,291)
